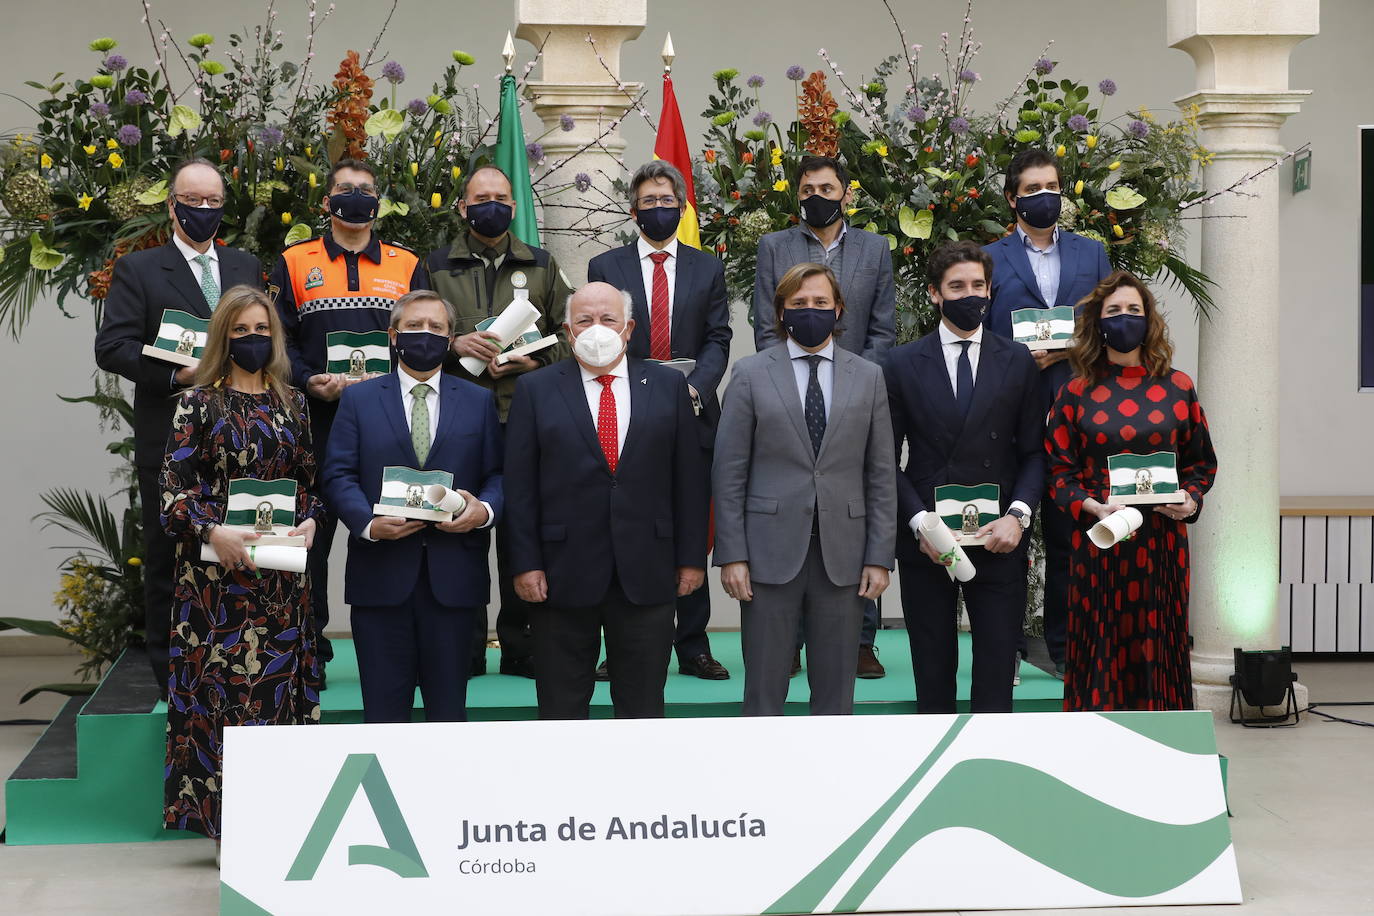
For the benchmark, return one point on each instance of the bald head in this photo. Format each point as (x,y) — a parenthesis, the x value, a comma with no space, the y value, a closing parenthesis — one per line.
(599,303)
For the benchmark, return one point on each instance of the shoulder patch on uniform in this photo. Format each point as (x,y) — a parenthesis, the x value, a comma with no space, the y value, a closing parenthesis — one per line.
(273,292)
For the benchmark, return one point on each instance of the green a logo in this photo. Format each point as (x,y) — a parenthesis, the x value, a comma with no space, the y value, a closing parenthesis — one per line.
(399,855)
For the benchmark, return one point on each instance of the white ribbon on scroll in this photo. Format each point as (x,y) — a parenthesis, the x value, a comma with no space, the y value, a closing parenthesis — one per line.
(511,323)
(1115,528)
(447,500)
(270,556)
(934,529)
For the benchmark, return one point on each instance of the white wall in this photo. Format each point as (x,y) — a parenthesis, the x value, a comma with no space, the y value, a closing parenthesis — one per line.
(1326,423)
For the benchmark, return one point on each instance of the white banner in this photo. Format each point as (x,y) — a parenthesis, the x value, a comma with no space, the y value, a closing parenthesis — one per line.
(952,812)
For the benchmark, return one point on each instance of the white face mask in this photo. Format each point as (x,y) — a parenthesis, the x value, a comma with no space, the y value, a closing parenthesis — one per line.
(598,346)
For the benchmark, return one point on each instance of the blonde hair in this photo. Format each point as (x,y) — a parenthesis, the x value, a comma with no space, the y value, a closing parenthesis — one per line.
(214,361)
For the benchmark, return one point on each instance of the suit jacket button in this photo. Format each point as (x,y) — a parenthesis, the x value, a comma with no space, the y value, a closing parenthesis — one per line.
(994,434)
(987,462)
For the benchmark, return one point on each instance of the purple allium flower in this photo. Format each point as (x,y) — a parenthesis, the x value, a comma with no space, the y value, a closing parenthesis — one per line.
(534,152)
(958,126)
(129,135)
(762,119)
(916,114)
(135,97)
(1138,129)
(796,72)
(1044,66)
(968,76)
(1107,87)
(1078,124)
(270,136)
(100,109)
(417,107)
(754,82)
(393,72)
(566,122)
(116,62)
(582,181)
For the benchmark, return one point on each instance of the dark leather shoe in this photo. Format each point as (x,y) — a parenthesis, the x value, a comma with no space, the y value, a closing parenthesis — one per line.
(869,666)
(603,672)
(796,664)
(479,666)
(521,667)
(704,667)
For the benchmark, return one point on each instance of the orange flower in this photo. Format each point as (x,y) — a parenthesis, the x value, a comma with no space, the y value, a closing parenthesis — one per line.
(970,160)
(709,155)
(908,250)
(930,149)
(735,194)
(816,109)
(225,155)
(350,113)
(973,192)
(746,157)
(720,248)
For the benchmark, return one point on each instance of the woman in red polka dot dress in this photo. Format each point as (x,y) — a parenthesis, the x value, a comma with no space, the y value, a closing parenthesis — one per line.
(1128,604)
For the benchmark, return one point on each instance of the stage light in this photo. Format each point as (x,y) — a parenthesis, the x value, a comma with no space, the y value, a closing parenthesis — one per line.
(1264,678)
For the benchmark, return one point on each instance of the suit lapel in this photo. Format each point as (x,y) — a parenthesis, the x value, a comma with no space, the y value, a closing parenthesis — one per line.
(850,257)
(933,379)
(780,370)
(841,391)
(181,279)
(682,289)
(992,369)
(1020,262)
(1068,266)
(393,405)
(448,408)
(640,390)
(570,386)
(632,280)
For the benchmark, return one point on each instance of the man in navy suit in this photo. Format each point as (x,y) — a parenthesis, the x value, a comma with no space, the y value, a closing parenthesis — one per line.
(606,512)
(1042,266)
(415,586)
(187,274)
(681,312)
(967,405)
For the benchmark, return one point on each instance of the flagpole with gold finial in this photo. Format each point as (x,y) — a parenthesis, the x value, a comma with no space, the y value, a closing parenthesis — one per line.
(508,52)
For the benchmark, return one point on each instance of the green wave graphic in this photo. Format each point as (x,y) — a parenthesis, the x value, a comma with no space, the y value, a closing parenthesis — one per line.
(1110,850)
(1176,729)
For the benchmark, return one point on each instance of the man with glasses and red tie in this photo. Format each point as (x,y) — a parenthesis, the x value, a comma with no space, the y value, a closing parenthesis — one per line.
(344,280)
(681,312)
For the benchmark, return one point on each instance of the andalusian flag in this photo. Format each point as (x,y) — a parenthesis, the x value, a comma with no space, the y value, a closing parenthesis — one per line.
(408,488)
(262,504)
(1142,475)
(512,159)
(671,147)
(357,352)
(967,509)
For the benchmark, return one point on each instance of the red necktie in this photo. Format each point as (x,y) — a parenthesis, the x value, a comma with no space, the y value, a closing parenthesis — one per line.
(606,431)
(660,335)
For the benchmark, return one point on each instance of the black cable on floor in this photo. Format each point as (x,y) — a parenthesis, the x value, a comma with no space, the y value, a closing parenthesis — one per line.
(1326,715)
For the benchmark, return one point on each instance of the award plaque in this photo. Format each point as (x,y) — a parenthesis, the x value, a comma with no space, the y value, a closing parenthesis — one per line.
(355,354)
(529,341)
(965,510)
(180,338)
(268,509)
(405,494)
(514,322)
(1043,329)
(1144,480)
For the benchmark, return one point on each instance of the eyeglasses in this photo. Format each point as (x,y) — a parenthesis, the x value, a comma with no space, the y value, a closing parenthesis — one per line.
(344,187)
(195,200)
(648,203)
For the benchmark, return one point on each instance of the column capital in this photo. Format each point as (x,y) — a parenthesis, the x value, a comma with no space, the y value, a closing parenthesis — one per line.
(1241,44)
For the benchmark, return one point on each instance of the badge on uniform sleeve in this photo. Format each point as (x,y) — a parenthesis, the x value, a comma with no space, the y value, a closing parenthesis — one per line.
(314,278)
(518,279)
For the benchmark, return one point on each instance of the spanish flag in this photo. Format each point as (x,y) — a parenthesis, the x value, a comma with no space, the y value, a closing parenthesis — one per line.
(671,146)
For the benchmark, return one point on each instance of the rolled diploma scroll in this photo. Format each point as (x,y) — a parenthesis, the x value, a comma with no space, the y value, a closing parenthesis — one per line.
(1115,528)
(513,322)
(286,559)
(934,529)
(442,497)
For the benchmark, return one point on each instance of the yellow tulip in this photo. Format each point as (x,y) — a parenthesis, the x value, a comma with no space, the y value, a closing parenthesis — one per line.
(436,200)
(135,561)
(286,219)
(457,173)
(414,169)
(313,179)
(1090,141)
(309,150)
(84,202)
(881,150)
(115,160)
(780,185)
(1078,188)
(852,210)
(45,161)
(438,134)
(90,150)
(1114,166)
(279,163)
(854,183)
(1060,151)
(1118,232)
(112,144)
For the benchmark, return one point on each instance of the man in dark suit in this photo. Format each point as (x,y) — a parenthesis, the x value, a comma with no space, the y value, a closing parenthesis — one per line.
(606,512)
(415,586)
(967,405)
(681,312)
(1042,266)
(187,274)
(863,263)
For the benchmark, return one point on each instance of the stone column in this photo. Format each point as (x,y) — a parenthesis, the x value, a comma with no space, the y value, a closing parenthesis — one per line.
(1241,49)
(575,84)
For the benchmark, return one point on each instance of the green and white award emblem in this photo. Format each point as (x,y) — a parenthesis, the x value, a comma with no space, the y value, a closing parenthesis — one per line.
(354,354)
(180,338)
(405,494)
(967,509)
(1043,329)
(1144,480)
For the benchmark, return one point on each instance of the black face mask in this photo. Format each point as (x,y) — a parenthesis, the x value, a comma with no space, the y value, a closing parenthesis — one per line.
(1041,209)
(1123,333)
(490,219)
(965,313)
(819,211)
(251,352)
(658,223)
(354,207)
(809,327)
(421,350)
(199,223)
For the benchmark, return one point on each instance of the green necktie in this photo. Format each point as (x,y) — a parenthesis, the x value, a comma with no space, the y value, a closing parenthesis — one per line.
(419,421)
(208,287)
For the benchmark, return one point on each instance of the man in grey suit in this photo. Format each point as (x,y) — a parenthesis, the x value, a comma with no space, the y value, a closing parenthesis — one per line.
(805,490)
(863,263)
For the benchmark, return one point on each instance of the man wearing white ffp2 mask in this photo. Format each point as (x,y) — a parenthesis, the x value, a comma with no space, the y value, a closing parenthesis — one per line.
(576,465)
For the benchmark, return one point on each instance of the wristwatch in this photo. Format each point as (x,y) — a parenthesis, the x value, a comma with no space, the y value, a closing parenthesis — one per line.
(1020,516)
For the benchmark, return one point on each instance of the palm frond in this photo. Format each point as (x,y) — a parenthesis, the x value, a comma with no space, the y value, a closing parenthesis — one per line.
(19,287)
(113,403)
(85,515)
(1192,281)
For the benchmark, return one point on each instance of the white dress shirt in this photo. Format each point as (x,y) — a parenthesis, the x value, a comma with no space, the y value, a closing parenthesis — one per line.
(190,254)
(825,372)
(646,266)
(620,392)
(950,348)
(1044,264)
(408,383)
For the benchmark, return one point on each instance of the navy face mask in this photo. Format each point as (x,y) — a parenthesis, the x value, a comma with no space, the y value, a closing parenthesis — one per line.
(354,207)
(809,327)
(199,223)
(251,351)
(490,219)
(658,223)
(421,350)
(965,313)
(1041,209)
(1123,333)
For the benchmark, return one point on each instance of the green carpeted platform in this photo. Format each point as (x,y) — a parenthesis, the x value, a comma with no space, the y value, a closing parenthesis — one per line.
(116,793)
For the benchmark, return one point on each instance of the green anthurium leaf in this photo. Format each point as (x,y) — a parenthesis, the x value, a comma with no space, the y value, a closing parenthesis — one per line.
(871,227)
(389,207)
(41,257)
(993,227)
(154,195)
(1124,197)
(915,224)
(939,173)
(182,119)
(297,233)
(385,123)
(891,241)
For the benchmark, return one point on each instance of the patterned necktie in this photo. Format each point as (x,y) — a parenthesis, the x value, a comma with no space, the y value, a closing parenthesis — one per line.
(660,334)
(208,287)
(419,421)
(815,405)
(606,425)
(963,395)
